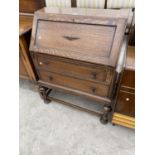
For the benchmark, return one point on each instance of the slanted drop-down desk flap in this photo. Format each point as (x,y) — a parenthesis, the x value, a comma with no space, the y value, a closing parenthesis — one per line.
(91,38)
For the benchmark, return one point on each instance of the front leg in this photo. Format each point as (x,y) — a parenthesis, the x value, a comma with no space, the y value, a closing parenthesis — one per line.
(44,94)
(104,117)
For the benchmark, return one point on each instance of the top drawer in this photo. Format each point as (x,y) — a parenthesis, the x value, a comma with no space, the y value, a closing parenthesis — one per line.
(74,68)
(128,78)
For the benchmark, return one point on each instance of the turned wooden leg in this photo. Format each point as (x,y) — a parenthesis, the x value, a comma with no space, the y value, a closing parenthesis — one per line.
(104,117)
(44,94)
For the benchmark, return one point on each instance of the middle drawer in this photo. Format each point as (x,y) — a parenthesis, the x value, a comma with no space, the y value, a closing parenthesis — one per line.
(74,68)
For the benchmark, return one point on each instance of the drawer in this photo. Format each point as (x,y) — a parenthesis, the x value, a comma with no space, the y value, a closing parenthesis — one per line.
(126,103)
(74,83)
(75,69)
(128,78)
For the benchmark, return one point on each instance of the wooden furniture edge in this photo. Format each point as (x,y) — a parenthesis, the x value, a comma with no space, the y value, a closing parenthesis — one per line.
(123,120)
(25,58)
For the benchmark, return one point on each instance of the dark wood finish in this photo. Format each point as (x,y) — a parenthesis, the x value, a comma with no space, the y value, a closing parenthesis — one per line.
(76,51)
(30,6)
(73,3)
(126,103)
(104,117)
(128,79)
(68,38)
(44,94)
(126,97)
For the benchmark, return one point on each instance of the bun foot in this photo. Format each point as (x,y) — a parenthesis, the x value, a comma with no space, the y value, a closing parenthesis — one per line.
(47,101)
(104,118)
(44,92)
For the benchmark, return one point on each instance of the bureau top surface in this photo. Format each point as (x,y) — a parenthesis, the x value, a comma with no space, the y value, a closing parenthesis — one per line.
(91,35)
(25,23)
(123,13)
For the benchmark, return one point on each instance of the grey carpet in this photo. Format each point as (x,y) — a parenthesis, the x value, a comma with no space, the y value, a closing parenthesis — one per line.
(56,129)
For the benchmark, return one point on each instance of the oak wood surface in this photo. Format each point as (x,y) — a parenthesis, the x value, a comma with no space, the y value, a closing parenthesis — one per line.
(30,6)
(126,103)
(95,73)
(25,24)
(94,41)
(102,100)
(74,83)
(76,50)
(128,78)
(72,27)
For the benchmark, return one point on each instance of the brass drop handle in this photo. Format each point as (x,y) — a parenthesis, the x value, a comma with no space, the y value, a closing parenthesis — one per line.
(71,38)
(93,90)
(50,78)
(127,99)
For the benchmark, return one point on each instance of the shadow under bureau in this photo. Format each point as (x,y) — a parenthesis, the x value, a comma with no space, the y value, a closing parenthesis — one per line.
(78,51)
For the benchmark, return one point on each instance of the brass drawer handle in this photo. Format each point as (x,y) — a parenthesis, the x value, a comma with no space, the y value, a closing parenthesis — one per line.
(71,38)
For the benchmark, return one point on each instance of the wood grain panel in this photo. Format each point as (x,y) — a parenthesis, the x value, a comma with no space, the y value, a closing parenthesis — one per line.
(92,40)
(126,103)
(128,78)
(74,83)
(30,6)
(71,34)
(69,67)
(25,24)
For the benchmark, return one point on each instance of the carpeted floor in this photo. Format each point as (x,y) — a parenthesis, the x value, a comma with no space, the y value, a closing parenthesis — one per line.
(56,129)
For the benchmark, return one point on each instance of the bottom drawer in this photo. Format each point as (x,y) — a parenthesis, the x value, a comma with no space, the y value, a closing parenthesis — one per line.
(74,83)
(126,103)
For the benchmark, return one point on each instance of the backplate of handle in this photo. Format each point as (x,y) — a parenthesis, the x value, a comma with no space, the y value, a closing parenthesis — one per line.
(71,38)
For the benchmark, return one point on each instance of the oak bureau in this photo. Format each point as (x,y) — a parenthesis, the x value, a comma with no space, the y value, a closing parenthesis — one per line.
(79,51)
